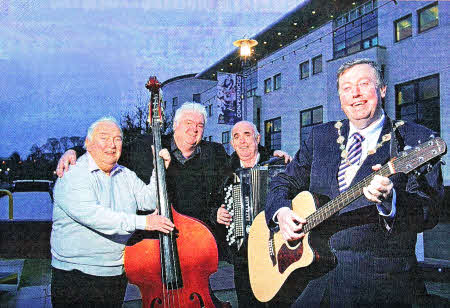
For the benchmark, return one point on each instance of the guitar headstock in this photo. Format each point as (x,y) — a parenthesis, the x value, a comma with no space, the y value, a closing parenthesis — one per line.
(419,155)
(155,111)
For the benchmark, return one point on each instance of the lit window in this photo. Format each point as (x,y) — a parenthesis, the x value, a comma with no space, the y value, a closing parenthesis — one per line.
(268,85)
(428,17)
(403,28)
(273,134)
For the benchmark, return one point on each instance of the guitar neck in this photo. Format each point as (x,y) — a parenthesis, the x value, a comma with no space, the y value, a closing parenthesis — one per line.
(343,200)
(408,161)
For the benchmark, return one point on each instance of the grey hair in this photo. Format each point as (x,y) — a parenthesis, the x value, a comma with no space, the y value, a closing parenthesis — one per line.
(192,107)
(350,64)
(253,126)
(91,128)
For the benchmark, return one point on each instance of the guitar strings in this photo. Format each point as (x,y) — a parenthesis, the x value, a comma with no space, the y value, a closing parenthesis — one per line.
(357,190)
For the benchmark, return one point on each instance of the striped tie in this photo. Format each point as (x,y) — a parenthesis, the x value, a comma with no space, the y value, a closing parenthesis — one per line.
(353,157)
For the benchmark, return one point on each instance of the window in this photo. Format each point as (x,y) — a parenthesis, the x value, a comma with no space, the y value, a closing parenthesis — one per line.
(277,81)
(418,101)
(251,83)
(174,102)
(428,17)
(317,64)
(196,97)
(226,141)
(273,134)
(268,85)
(304,70)
(209,110)
(360,32)
(225,137)
(403,28)
(309,118)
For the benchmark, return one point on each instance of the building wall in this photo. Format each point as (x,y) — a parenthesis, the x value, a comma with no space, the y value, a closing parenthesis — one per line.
(419,56)
(184,89)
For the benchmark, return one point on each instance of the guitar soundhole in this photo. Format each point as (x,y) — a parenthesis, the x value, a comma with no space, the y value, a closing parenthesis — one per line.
(287,256)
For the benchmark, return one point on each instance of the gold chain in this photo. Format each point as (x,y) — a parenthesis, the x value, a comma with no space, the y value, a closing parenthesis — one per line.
(341,140)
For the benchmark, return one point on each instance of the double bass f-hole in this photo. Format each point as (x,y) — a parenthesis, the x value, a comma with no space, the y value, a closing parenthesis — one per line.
(172,270)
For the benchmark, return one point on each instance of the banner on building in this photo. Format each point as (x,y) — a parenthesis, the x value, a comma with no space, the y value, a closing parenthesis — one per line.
(229,98)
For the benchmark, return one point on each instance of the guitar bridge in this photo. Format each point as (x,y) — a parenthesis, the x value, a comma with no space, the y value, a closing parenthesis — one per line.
(271,244)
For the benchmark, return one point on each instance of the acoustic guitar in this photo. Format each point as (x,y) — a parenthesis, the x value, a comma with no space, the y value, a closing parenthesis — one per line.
(281,268)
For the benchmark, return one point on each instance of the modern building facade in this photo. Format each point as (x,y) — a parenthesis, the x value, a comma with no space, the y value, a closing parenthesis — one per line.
(291,84)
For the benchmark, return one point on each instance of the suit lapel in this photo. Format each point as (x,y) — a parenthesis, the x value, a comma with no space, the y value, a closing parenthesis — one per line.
(336,159)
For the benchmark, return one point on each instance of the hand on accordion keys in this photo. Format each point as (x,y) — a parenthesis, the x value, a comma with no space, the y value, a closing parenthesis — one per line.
(223,216)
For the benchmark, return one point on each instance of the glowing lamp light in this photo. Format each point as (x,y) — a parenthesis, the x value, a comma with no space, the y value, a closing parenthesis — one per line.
(245,46)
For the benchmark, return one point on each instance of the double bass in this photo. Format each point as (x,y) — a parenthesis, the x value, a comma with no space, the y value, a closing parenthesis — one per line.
(172,270)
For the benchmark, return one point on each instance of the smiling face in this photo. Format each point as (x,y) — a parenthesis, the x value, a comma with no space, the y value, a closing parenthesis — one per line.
(105,146)
(360,96)
(188,130)
(244,142)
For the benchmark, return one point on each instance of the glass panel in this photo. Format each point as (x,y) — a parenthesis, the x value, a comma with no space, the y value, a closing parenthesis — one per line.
(317,64)
(353,32)
(304,133)
(408,109)
(370,32)
(403,28)
(304,69)
(429,18)
(339,46)
(306,118)
(428,88)
(277,125)
(375,41)
(354,48)
(339,38)
(366,44)
(318,115)
(268,126)
(370,24)
(268,85)
(353,40)
(405,94)
(339,31)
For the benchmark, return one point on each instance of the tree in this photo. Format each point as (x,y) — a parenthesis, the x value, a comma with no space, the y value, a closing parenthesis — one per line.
(52,146)
(64,141)
(15,157)
(35,152)
(76,141)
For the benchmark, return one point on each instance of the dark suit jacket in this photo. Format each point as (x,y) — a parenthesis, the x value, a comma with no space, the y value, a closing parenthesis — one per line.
(374,264)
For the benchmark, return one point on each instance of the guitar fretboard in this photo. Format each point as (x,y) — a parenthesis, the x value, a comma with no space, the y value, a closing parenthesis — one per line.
(407,162)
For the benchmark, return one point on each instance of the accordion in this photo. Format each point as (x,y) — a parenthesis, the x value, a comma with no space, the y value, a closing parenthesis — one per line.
(245,198)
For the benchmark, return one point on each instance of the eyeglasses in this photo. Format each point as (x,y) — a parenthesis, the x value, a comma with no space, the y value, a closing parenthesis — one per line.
(362,86)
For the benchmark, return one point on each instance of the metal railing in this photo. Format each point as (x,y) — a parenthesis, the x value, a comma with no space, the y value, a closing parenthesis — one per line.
(11,204)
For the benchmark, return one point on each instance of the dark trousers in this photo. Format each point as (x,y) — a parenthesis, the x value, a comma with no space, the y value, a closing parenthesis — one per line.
(77,289)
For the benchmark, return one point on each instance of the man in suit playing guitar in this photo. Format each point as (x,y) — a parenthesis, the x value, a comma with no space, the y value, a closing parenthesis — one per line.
(375,236)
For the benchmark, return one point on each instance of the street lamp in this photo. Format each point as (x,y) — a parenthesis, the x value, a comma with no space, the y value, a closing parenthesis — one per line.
(245,50)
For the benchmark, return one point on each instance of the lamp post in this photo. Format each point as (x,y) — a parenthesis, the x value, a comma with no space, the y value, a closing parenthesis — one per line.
(245,51)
